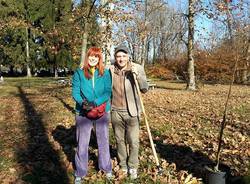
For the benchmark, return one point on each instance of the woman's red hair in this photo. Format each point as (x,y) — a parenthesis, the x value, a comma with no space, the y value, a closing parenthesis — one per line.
(97,52)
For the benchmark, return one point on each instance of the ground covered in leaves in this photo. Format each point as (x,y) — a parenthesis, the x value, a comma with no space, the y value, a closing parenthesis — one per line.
(37,131)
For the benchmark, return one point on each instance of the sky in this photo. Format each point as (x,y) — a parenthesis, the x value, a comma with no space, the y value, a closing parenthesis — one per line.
(203,25)
(201,22)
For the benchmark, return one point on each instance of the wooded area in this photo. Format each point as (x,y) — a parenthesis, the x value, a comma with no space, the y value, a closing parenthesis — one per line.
(190,39)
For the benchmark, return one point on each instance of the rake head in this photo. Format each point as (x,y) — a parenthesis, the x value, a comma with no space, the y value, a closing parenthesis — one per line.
(160,170)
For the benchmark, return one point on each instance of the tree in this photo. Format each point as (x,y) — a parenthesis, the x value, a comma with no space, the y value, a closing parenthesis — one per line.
(151,29)
(26,18)
(55,20)
(12,10)
(86,24)
(191,75)
(39,19)
(106,27)
(230,19)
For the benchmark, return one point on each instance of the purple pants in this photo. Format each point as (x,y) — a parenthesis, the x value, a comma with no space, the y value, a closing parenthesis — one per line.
(83,132)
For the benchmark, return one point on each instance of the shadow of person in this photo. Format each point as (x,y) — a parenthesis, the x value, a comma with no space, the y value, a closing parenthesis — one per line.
(113,151)
(67,140)
(66,137)
(187,159)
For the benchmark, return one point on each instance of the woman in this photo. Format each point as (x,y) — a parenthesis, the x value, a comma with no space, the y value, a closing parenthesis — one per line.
(91,87)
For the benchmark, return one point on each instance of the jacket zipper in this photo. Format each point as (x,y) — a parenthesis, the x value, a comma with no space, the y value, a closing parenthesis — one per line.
(93,85)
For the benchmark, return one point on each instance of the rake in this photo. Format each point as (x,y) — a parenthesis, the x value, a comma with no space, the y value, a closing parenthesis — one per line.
(147,125)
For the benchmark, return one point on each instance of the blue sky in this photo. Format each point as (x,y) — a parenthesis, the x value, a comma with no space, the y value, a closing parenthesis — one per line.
(203,25)
(201,21)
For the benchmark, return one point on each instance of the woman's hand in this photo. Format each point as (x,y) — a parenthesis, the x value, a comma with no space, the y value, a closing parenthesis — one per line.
(87,106)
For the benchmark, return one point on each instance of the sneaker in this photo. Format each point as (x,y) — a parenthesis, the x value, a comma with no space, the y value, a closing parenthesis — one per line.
(133,174)
(109,175)
(78,180)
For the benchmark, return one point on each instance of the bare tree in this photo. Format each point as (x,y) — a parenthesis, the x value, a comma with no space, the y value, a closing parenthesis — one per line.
(191,75)
(151,30)
(108,7)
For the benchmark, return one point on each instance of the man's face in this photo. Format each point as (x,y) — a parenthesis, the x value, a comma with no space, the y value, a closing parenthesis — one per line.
(121,58)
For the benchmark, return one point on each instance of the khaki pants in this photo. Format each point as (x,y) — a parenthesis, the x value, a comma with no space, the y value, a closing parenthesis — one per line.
(126,129)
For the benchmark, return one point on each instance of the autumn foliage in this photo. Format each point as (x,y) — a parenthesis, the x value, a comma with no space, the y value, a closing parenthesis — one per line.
(215,67)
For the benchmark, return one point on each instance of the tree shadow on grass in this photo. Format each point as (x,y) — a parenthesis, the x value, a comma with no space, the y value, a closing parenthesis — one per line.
(40,162)
(67,106)
(187,159)
(66,137)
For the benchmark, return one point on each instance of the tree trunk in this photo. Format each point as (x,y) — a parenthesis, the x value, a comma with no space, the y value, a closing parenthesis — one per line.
(107,30)
(154,51)
(144,51)
(133,53)
(55,65)
(56,72)
(246,64)
(161,50)
(28,53)
(11,72)
(85,34)
(191,75)
(147,52)
(140,53)
(229,20)
(84,46)
(144,44)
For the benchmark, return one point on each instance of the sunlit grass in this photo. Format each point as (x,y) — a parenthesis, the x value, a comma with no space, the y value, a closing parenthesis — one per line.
(169,84)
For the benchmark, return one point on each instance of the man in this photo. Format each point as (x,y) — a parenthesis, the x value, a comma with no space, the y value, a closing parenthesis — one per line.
(126,108)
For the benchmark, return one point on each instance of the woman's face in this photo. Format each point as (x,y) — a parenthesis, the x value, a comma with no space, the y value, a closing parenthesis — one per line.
(93,60)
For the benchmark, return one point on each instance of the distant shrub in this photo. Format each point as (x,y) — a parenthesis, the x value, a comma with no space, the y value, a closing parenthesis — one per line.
(216,67)
(158,71)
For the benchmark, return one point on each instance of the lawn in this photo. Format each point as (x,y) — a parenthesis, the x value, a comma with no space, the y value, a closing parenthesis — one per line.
(37,131)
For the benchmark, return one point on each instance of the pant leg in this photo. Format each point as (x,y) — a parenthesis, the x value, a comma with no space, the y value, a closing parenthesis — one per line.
(102,135)
(132,124)
(119,130)
(83,132)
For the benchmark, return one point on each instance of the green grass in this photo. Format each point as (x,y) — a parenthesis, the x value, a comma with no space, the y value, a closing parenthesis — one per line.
(169,85)
(26,81)
(31,81)
(10,84)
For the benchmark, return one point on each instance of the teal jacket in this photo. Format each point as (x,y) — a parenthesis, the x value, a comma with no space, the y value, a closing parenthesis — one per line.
(97,89)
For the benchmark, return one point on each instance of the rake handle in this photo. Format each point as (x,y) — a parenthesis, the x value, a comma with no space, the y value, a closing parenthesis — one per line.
(146,121)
